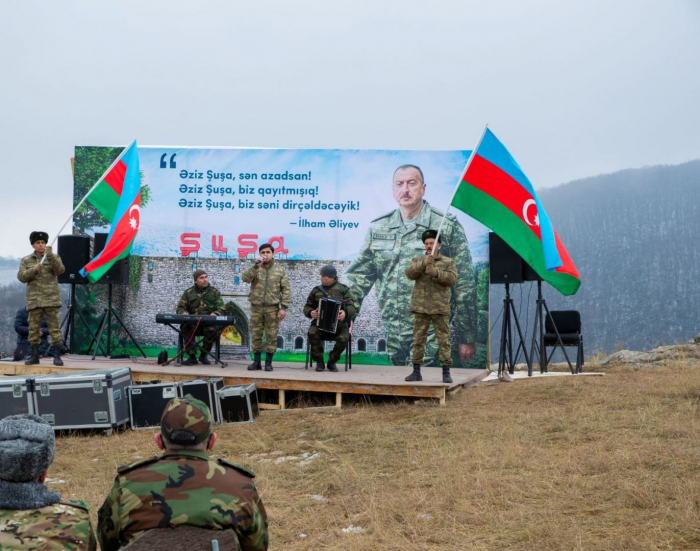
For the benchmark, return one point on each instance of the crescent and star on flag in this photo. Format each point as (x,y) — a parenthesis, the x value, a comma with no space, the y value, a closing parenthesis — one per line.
(134,216)
(526,206)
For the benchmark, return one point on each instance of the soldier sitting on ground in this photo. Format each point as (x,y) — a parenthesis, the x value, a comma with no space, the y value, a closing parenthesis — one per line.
(183,487)
(200,300)
(31,516)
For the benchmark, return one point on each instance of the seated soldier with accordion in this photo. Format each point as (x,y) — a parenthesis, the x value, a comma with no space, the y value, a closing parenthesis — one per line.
(331,307)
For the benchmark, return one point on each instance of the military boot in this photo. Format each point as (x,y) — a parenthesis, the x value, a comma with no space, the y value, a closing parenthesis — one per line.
(191,359)
(57,356)
(320,366)
(446,375)
(415,376)
(332,366)
(203,358)
(256,362)
(33,357)
(268,361)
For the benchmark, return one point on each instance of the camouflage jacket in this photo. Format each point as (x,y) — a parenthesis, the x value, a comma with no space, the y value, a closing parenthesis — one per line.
(42,288)
(183,487)
(431,294)
(269,285)
(337,291)
(57,527)
(388,248)
(202,302)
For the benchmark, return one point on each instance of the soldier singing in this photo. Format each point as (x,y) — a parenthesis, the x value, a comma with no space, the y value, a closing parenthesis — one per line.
(269,298)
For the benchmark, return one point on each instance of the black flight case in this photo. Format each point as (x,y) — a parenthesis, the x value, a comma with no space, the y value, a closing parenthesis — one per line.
(147,402)
(16,395)
(238,404)
(83,399)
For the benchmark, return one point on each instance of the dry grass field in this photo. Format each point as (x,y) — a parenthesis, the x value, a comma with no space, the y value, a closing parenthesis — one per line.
(607,462)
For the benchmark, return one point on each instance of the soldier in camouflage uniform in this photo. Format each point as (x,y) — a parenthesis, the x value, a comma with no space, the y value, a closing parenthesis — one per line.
(200,300)
(391,242)
(330,288)
(269,299)
(31,516)
(183,486)
(42,295)
(430,302)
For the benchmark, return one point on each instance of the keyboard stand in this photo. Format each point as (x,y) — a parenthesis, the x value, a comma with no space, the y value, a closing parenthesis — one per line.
(181,341)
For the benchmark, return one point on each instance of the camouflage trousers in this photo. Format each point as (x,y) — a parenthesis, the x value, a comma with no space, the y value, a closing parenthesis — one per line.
(208,332)
(263,319)
(341,338)
(400,343)
(54,325)
(421,324)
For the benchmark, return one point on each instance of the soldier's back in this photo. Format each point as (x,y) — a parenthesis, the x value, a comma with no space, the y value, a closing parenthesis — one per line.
(62,526)
(187,489)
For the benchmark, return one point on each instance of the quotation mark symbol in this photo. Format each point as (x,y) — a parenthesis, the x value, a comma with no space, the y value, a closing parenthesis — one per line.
(172,160)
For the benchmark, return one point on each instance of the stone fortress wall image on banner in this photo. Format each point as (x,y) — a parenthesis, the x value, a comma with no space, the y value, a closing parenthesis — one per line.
(211,208)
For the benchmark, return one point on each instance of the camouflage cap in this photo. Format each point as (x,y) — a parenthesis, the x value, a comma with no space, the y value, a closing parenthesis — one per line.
(430,234)
(185,421)
(38,236)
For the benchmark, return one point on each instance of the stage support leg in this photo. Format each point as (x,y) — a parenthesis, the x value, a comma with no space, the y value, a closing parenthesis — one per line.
(281,398)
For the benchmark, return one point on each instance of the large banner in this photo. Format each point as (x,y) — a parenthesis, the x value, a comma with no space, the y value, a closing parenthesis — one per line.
(365,209)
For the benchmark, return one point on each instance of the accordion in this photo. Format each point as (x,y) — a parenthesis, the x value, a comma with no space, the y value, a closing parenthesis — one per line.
(328,311)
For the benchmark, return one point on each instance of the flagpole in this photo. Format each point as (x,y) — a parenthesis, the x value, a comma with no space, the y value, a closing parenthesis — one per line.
(466,167)
(88,193)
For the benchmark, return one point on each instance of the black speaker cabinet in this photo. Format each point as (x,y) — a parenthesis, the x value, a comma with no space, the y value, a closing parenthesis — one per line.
(74,251)
(118,274)
(529,274)
(505,265)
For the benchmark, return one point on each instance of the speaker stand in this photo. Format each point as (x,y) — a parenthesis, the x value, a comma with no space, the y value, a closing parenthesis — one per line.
(538,335)
(106,322)
(510,315)
(68,323)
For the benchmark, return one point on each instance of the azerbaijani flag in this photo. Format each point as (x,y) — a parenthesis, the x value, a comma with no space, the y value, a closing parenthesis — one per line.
(118,197)
(495,191)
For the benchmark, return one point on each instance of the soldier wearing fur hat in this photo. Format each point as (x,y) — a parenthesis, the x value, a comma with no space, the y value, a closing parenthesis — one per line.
(329,288)
(433,274)
(43,298)
(200,300)
(184,486)
(31,516)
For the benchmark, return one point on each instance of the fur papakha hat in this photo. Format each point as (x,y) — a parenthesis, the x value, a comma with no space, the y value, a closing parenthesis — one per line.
(27,447)
(38,236)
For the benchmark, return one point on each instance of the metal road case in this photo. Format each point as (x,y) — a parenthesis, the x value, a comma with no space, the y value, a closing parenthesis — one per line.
(205,390)
(147,402)
(238,404)
(16,395)
(83,399)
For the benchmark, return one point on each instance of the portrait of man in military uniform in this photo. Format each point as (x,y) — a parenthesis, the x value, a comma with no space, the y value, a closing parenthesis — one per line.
(389,245)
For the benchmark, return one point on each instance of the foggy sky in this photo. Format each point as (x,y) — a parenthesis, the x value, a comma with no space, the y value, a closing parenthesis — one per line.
(573,89)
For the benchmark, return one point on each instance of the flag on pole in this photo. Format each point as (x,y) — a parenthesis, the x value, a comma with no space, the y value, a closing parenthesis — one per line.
(118,197)
(495,191)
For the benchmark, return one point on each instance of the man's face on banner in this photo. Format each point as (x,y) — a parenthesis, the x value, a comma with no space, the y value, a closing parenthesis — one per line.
(408,187)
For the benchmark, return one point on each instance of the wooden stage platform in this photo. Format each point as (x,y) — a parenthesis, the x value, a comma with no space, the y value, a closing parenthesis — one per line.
(372,380)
